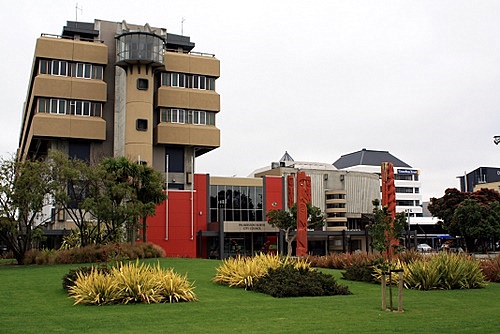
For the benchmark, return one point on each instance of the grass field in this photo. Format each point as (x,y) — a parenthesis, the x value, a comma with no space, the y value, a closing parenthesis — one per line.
(32,301)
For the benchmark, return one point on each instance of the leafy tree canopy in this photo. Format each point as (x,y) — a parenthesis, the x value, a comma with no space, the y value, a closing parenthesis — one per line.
(384,229)
(286,221)
(474,216)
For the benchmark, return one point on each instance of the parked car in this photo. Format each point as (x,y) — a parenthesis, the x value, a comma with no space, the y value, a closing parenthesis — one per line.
(424,248)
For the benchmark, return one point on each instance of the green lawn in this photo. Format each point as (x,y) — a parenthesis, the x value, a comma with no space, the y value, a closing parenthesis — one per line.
(32,301)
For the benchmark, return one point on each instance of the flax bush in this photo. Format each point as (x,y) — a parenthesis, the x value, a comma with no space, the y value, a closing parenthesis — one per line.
(444,271)
(131,283)
(243,271)
(94,288)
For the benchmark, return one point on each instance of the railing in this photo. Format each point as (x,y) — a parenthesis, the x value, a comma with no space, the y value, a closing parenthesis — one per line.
(195,53)
(73,38)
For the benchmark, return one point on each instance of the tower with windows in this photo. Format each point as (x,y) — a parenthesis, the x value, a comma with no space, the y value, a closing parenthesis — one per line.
(118,89)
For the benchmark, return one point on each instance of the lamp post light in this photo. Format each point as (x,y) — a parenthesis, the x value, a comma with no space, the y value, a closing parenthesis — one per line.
(408,243)
(496,140)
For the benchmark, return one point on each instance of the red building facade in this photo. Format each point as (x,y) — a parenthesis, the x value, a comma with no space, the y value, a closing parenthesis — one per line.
(219,213)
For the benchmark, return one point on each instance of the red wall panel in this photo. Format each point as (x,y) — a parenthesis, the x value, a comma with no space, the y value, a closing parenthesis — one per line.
(187,214)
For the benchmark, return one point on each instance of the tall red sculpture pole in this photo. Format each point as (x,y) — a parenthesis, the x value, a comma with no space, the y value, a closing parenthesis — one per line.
(303,197)
(290,190)
(389,196)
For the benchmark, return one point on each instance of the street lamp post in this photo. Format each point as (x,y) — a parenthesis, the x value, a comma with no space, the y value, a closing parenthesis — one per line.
(408,242)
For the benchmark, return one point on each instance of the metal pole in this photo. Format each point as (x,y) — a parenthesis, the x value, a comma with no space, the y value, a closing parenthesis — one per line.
(221,230)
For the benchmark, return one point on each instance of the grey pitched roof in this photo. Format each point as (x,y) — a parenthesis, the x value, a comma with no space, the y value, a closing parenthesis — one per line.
(368,158)
(286,157)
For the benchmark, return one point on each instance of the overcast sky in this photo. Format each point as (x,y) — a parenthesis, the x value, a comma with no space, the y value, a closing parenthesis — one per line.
(319,79)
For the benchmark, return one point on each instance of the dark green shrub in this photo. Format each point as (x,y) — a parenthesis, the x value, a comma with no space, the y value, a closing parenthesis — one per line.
(359,272)
(69,279)
(287,281)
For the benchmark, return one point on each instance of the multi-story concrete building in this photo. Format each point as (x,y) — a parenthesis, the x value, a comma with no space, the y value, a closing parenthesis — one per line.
(344,196)
(407,178)
(118,89)
(481,177)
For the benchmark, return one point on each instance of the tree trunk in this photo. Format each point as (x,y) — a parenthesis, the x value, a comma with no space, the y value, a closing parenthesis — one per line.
(144,226)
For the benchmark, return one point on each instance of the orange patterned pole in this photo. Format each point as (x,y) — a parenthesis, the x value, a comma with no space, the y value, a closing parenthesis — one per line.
(303,197)
(389,196)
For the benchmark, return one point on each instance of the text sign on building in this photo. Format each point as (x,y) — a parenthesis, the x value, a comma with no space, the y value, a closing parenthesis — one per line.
(248,227)
(408,171)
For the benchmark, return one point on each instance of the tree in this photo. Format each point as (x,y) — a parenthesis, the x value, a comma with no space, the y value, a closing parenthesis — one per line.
(73,181)
(150,193)
(23,189)
(458,214)
(128,191)
(477,222)
(286,221)
(384,229)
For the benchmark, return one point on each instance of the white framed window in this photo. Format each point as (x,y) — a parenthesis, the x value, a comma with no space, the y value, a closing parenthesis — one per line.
(97,72)
(60,67)
(176,116)
(58,106)
(45,66)
(210,118)
(72,107)
(195,81)
(174,79)
(96,109)
(43,105)
(210,83)
(199,117)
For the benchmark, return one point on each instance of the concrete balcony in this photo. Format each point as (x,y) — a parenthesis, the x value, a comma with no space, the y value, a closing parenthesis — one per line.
(68,126)
(187,134)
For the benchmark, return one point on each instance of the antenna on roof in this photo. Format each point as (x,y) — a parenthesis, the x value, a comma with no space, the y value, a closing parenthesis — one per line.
(182,25)
(76,11)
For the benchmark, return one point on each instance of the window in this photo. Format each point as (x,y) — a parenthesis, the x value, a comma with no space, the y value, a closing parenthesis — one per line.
(96,109)
(417,190)
(97,72)
(195,83)
(210,83)
(404,190)
(43,105)
(141,124)
(173,79)
(45,66)
(142,84)
(187,81)
(335,196)
(58,106)
(175,158)
(199,117)
(60,67)
(163,114)
(63,107)
(174,115)
(77,70)
(80,108)
(236,203)
(210,118)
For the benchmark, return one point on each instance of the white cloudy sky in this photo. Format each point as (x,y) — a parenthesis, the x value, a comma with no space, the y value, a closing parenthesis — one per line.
(420,79)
